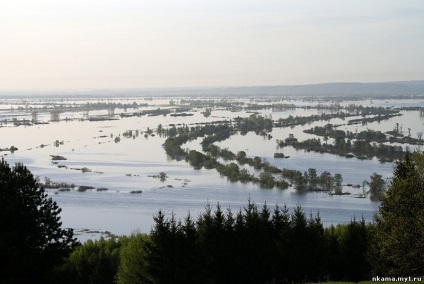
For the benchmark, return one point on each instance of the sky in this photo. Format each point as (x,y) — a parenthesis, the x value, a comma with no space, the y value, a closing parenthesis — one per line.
(100,44)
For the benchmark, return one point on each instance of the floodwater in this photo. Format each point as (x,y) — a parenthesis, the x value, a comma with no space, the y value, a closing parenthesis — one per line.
(129,165)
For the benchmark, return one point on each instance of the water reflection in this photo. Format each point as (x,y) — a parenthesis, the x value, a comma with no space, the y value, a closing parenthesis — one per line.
(126,166)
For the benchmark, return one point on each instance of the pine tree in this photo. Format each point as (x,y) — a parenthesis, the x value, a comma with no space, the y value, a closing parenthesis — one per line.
(280,237)
(159,251)
(400,223)
(32,241)
(187,239)
(315,245)
(298,251)
(354,245)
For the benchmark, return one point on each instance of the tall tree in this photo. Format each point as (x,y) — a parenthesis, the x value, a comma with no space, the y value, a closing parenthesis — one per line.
(299,251)
(187,239)
(160,251)
(337,183)
(280,237)
(399,235)
(312,178)
(32,241)
(326,181)
(377,187)
(354,245)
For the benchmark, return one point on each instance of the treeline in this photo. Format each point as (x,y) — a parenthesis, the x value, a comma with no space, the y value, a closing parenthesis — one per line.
(301,120)
(377,118)
(271,176)
(179,136)
(311,181)
(360,149)
(379,113)
(220,132)
(369,135)
(212,103)
(234,173)
(255,245)
(78,107)
(302,182)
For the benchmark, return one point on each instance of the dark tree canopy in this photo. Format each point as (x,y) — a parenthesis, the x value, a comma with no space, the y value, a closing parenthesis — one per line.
(400,224)
(32,241)
(253,245)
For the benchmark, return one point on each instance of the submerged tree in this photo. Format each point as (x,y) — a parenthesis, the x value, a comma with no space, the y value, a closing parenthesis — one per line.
(32,241)
(337,183)
(377,187)
(326,181)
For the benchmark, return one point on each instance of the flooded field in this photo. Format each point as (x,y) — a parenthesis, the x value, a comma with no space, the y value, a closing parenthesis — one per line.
(104,144)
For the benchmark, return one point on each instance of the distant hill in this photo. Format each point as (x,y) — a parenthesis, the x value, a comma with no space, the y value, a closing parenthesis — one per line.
(330,89)
(326,89)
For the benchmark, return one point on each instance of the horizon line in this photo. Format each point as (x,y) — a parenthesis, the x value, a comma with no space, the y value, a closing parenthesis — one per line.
(97,89)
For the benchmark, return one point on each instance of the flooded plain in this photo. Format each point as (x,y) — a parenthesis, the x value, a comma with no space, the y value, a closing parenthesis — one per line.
(123,171)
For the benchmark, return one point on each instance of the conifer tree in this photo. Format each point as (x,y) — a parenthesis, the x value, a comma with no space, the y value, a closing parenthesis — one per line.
(159,251)
(280,237)
(32,241)
(400,223)
(187,239)
(354,246)
(220,248)
(334,265)
(315,246)
(298,246)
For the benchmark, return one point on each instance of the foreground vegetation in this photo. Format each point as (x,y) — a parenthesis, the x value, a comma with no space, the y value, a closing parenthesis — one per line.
(220,247)
(273,245)
(32,241)
(252,245)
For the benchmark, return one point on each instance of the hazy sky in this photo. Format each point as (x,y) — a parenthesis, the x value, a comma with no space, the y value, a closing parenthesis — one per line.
(177,43)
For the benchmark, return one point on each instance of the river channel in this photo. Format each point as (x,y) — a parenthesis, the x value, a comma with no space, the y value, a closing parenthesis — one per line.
(128,165)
